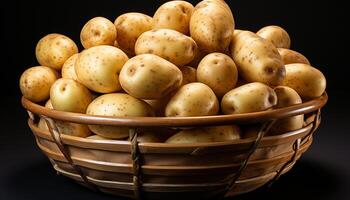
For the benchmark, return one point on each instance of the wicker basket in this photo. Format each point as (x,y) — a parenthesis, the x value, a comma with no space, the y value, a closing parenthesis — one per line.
(174,171)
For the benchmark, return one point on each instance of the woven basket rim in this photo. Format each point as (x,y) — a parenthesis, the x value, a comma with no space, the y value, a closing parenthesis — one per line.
(254,117)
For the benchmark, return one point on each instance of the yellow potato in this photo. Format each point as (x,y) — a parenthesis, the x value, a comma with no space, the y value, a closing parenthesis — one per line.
(219,72)
(149,76)
(257,59)
(35,83)
(149,137)
(276,35)
(252,97)
(212,25)
(72,129)
(168,44)
(97,137)
(42,123)
(159,105)
(189,75)
(48,104)
(207,134)
(69,96)
(68,69)
(199,55)
(193,99)
(287,97)
(307,81)
(54,49)
(173,15)
(98,68)
(290,57)
(117,105)
(67,128)
(98,31)
(129,27)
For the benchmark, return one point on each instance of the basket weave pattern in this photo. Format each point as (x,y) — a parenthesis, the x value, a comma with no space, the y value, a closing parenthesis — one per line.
(173,171)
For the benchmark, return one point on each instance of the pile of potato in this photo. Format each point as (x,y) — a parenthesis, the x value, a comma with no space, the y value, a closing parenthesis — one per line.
(184,61)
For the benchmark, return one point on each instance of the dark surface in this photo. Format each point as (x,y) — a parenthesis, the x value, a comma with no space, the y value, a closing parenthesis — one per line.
(317,30)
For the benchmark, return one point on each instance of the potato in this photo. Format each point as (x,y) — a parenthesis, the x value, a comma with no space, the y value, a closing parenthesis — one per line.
(159,105)
(48,104)
(275,34)
(149,76)
(219,72)
(35,83)
(69,96)
(212,25)
(98,68)
(207,134)
(117,105)
(189,75)
(257,59)
(97,137)
(67,128)
(173,15)
(68,69)
(194,99)
(149,137)
(98,31)
(72,129)
(54,49)
(290,57)
(287,97)
(42,123)
(199,55)
(129,27)
(168,44)
(252,97)
(307,81)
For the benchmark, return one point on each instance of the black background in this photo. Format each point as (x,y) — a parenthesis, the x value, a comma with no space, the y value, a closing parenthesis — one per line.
(317,29)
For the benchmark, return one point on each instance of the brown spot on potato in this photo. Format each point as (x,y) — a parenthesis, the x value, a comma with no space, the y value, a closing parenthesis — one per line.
(268,70)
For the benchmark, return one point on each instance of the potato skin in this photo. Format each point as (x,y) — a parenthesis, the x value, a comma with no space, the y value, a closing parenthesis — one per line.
(98,68)
(276,35)
(189,75)
(54,49)
(219,72)
(193,99)
(96,137)
(73,129)
(98,31)
(207,134)
(68,68)
(69,96)
(168,44)
(129,27)
(290,57)
(148,76)
(67,128)
(117,105)
(212,25)
(287,97)
(252,97)
(173,15)
(306,80)
(149,137)
(35,83)
(257,59)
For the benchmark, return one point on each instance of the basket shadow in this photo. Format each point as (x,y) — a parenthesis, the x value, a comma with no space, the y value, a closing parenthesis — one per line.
(307,180)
